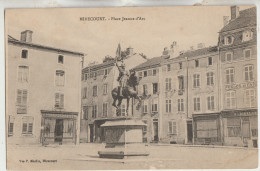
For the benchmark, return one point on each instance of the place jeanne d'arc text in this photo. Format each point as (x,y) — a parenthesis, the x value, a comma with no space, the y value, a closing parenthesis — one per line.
(112,19)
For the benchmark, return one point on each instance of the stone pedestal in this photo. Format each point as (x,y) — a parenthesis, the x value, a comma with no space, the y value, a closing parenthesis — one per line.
(124,138)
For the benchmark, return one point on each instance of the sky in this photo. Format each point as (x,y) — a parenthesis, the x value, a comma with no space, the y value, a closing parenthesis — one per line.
(62,28)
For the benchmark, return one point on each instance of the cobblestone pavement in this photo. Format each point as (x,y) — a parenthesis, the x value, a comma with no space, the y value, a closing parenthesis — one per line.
(85,157)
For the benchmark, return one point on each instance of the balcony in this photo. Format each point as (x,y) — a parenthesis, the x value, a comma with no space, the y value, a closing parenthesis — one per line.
(180,92)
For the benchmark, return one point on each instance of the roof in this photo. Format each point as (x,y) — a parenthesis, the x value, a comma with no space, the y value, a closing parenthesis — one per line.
(15,41)
(246,18)
(153,62)
(123,123)
(198,52)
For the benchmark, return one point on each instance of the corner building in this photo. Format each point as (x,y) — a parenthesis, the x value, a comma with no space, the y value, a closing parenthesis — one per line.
(238,61)
(43,97)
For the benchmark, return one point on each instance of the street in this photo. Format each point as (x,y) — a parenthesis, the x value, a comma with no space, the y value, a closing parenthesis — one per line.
(85,156)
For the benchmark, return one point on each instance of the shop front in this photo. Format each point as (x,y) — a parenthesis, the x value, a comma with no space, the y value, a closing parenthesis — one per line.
(207,129)
(58,127)
(240,128)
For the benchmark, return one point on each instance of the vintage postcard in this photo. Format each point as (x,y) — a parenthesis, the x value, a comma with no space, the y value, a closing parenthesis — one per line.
(131,88)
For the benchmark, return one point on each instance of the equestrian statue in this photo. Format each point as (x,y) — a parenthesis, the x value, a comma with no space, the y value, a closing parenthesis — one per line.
(126,88)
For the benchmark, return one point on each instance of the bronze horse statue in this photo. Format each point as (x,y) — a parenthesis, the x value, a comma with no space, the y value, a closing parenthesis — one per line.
(129,91)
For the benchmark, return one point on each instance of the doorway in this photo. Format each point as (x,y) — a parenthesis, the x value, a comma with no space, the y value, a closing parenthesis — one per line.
(155,130)
(91,133)
(189,132)
(58,133)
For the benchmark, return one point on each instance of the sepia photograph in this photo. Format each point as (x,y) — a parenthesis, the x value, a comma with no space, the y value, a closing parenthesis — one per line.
(127,88)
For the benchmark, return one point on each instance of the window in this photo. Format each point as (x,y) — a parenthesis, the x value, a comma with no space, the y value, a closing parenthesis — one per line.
(123,110)
(145,107)
(180,65)
(105,89)
(155,88)
(27,125)
(250,98)
(228,40)
(230,75)
(24,54)
(94,75)
(196,63)
(94,111)
(150,72)
(210,101)
(155,105)
(180,105)
(145,73)
(181,82)
(168,67)
(154,72)
(59,100)
(234,127)
(106,72)
(11,126)
(140,75)
(60,59)
(210,61)
(168,106)
(145,89)
(105,109)
(86,76)
(145,127)
(196,104)
(23,74)
(95,91)
(247,35)
(230,99)
(85,92)
(21,101)
(196,80)
(247,53)
(168,84)
(60,77)
(249,73)
(172,127)
(229,56)
(85,112)
(210,78)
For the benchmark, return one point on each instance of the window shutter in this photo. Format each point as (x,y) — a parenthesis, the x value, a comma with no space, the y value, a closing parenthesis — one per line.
(57,96)
(30,128)
(61,100)
(19,97)
(24,97)
(24,128)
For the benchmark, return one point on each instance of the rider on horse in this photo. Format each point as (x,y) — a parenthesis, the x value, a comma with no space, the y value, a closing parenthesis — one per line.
(123,76)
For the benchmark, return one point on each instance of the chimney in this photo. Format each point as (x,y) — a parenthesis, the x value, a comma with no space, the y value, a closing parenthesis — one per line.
(174,51)
(26,36)
(130,51)
(225,20)
(234,12)
(200,45)
(165,51)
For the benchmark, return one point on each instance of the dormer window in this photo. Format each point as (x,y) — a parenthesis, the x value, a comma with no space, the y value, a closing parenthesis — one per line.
(247,35)
(60,59)
(228,40)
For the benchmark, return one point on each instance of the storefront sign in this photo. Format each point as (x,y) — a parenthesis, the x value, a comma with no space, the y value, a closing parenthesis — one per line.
(243,113)
(241,85)
(59,116)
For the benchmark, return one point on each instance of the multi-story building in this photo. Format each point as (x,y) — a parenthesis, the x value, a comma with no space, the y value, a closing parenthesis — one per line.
(149,90)
(98,81)
(190,90)
(238,63)
(43,92)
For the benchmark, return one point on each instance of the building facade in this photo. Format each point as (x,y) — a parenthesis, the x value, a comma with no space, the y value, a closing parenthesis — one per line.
(238,61)
(43,92)
(98,81)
